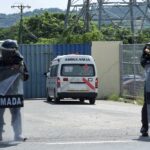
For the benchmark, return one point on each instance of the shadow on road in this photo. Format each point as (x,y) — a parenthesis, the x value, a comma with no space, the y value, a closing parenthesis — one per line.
(68,103)
(143,139)
(7,144)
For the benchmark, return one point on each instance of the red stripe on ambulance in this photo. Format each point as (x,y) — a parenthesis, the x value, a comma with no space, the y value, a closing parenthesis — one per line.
(88,83)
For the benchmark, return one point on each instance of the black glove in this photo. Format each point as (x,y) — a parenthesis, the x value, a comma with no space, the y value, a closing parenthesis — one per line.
(25,76)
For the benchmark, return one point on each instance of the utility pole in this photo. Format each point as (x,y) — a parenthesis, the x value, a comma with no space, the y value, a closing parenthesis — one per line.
(21,7)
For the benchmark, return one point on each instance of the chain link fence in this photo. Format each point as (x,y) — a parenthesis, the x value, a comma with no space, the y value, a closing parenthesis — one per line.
(132,74)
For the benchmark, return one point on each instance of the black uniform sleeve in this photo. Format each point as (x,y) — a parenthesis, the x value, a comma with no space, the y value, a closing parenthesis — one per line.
(26,73)
(143,61)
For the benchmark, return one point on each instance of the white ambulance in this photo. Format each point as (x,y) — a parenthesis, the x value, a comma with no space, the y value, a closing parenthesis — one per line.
(72,76)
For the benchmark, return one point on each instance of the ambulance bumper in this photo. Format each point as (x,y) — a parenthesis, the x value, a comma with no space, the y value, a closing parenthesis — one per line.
(77,95)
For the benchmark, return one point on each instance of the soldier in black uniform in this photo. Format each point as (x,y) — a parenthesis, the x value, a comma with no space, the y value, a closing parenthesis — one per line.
(145,61)
(11,57)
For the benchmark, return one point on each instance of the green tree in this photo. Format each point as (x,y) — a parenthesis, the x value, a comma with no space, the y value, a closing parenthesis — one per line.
(48,28)
(9,33)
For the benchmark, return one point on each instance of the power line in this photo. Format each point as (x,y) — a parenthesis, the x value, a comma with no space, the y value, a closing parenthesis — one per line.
(122,13)
(21,7)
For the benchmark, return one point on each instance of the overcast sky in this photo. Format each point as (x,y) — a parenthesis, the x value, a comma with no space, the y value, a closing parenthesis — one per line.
(5,5)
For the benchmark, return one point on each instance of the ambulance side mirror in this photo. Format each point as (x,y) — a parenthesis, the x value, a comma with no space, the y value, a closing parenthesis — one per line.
(45,74)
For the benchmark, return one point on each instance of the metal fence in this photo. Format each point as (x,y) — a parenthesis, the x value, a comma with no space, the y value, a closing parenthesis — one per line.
(38,57)
(132,74)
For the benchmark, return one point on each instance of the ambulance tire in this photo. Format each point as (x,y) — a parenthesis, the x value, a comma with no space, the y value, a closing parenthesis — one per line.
(48,98)
(92,101)
(56,99)
(82,100)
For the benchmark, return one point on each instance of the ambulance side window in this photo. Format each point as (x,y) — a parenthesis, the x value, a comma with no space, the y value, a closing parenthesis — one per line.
(54,70)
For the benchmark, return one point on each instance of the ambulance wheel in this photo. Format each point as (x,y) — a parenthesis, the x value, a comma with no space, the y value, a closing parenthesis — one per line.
(48,98)
(56,99)
(82,100)
(92,101)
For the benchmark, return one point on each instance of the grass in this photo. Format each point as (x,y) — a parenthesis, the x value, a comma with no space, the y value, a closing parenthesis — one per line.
(137,101)
(113,97)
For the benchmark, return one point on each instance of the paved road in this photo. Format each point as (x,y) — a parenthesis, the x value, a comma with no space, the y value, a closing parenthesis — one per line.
(71,125)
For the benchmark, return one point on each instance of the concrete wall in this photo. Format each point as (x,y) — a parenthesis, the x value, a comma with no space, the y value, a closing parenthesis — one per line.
(106,55)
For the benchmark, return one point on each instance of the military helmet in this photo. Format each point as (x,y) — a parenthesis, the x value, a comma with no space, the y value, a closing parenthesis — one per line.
(10,44)
(9,53)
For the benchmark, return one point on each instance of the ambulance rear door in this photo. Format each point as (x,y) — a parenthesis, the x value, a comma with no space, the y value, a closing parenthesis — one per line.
(78,77)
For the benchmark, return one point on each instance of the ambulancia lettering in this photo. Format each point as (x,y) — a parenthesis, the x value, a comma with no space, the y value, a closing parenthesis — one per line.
(77,59)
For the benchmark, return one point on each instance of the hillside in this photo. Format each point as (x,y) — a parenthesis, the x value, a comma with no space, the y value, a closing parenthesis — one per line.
(10,19)
(114,12)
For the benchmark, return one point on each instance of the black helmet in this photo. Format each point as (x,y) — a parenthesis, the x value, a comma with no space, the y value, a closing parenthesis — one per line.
(10,44)
(10,55)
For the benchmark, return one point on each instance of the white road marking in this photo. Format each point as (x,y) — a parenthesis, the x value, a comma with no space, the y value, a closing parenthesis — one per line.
(90,142)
